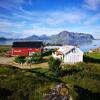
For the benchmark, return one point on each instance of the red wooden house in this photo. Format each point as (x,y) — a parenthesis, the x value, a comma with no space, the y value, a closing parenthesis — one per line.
(26,48)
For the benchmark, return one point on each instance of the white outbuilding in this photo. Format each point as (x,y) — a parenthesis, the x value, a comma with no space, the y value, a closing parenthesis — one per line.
(69,54)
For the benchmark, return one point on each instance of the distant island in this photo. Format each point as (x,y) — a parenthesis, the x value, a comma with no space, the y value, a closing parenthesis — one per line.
(64,37)
(5,39)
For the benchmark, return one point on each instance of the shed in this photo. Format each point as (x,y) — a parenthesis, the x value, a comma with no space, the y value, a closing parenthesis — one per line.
(26,48)
(69,54)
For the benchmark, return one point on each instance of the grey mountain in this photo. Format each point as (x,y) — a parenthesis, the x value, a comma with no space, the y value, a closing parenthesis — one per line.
(66,37)
(35,37)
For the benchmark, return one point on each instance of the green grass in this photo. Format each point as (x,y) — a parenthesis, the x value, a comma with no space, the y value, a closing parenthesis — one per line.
(94,55)
(19,84)
(4,49)
(31,84)
(84,77)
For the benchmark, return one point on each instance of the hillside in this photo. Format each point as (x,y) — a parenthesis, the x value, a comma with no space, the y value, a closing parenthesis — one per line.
(2,39)
(35,37)
(82,78)
(64,37)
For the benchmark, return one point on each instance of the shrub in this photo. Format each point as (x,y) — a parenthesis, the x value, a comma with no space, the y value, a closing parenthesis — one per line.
(20,59)
(36,59)
(54,66)
(47,53)
(36,55)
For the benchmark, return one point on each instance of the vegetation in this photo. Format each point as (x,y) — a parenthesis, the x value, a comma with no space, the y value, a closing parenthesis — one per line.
(18,84)
(54,66)
(31,84)
(92,57)
(53,44)
(36,55)
(35,58)
(47,53)
(20,59)
(4,49)
(84,78)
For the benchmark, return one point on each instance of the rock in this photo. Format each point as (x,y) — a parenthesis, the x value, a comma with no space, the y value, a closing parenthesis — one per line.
(96,50)
(60,92)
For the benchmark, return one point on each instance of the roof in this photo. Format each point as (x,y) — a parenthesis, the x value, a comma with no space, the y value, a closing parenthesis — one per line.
(52,47)
(65,49)
(27,44)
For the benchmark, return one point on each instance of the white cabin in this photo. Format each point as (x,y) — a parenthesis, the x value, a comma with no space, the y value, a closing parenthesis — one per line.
(69,54)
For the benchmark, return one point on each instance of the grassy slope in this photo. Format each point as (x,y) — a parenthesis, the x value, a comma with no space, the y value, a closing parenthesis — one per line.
(83,79)
(17,84)
(94,55)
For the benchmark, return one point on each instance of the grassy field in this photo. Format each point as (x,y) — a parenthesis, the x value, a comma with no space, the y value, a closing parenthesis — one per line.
(85,76)
(94,55)
(4,49)
(18,84)
(31,84)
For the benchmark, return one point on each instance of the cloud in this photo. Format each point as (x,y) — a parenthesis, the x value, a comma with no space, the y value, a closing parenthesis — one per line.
(7,25)
(14,5)
(41,22)
(50,17)
(40,31)
(4,25)
(11,4)
(93,19)
(92,4)
(65,16)
(28,22)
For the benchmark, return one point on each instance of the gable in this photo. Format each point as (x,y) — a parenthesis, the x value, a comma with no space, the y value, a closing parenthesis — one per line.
(74,51)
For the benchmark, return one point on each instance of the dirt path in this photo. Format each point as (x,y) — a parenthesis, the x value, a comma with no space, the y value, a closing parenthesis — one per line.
(9,61)
(6,60)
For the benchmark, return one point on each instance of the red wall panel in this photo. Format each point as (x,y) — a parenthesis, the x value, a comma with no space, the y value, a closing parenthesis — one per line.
(24,51)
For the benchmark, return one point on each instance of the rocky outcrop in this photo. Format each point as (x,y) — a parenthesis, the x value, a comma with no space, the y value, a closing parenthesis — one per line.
(96,50)
(66,37)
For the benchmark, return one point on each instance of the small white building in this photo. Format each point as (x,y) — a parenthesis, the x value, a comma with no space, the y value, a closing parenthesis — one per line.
(69,54)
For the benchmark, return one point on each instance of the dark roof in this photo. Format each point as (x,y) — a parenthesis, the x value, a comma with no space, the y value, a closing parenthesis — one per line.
(33,44)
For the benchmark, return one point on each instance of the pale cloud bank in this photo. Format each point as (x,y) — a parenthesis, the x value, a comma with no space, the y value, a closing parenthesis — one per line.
(92,4)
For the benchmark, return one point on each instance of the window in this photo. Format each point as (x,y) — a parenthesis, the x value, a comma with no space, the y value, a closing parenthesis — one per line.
(73,51)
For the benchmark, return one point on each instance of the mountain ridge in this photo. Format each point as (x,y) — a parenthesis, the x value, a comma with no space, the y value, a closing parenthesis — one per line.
(64,37)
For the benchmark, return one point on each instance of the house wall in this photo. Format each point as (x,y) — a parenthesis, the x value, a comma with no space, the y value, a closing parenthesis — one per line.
(73,57)
(24,51)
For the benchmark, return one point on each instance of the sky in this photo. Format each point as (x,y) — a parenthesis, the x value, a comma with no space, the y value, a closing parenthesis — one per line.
(23,18)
